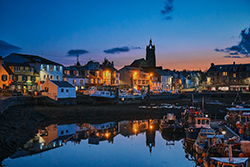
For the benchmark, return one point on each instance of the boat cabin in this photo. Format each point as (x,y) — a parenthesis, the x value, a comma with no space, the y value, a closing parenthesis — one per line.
(225,162)
(106,94)
(202,122)
(170,118)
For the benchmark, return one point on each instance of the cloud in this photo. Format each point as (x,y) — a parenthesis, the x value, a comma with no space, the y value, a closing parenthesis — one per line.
(219,50)
(242,49)
(233,57)
(76,52)
(118,50)
(6,48)
(168,8)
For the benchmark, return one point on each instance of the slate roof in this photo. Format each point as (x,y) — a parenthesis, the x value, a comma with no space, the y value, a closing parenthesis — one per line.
(229,67)
(111,68)
(137,62)
(34,58)
(161,72)
(63,84)
(7,69)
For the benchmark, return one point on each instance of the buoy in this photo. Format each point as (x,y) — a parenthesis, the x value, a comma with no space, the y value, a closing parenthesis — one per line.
(204,155)
(241,155)
(200,160)
(241,130)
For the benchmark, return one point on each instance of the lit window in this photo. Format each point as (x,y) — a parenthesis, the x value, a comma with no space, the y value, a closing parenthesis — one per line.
(17,68)
(51,68)
(23,69)
(74,82)
(224,73)
(234,75)
(4,77)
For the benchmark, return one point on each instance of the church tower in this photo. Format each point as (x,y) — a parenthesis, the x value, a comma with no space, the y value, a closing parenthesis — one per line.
(150,54)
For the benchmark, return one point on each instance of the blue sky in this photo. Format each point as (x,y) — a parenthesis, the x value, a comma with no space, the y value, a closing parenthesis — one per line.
(187,41)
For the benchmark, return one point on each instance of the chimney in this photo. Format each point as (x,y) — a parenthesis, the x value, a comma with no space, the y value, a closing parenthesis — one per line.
(212,64)
(234,63)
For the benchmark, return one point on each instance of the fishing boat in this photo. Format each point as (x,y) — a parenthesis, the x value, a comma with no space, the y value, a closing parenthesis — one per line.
(101,95)
(193,131)
(207,138)
(188,117)
(169,124)
(226,161)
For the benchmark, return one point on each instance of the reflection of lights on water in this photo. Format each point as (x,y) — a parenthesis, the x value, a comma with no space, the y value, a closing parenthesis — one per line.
(135,129)
(223,132)
(151,127)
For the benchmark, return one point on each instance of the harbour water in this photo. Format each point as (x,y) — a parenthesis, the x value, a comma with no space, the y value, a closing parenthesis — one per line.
(125,143)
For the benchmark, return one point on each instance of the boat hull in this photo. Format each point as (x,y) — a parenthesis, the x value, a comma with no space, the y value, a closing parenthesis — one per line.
(192,133)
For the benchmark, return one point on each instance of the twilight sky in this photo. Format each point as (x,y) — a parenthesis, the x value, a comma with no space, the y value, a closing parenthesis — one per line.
(188,34)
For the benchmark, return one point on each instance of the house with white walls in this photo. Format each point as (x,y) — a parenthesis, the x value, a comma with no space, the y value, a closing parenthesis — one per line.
(58,89)
(44,67)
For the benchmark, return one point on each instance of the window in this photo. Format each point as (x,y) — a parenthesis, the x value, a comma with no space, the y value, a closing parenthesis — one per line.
(203,122)
(68,72)
(24,78)
(62,90)
(19,78)
(51,77)
(67,131)
(224,73)
(23,69)
(62,132)
(51,68)
(81,82)
(74,82)
(28,78)
(67,90)
(44,77)
(45,68)
(17,69)
(4,77)
(199,121)
(14,77)
(92,80)
(234,75)
(77,73)
(57,77)
(30,69)
(57,68)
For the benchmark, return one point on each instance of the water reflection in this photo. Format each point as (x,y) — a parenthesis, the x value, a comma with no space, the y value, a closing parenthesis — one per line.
(143,132)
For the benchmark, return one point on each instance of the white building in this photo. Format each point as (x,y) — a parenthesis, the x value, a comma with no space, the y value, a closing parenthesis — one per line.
(44,67)
(58,89)
(72,75)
